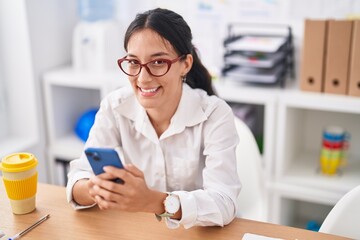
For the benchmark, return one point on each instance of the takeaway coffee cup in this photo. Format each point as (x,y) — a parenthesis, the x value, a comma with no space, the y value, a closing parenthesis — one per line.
(20,180)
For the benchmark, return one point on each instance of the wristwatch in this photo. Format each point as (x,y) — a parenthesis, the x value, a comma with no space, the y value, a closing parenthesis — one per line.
(171,204)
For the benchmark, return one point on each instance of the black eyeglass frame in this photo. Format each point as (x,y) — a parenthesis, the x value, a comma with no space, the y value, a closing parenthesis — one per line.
(168,62)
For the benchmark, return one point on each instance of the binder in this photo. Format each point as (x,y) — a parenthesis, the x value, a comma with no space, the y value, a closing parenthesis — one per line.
(313,59)
(354,73)
(338,56)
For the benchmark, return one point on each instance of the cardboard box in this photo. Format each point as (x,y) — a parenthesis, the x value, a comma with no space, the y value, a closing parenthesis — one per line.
(338,56)
(313,56)
(354,72)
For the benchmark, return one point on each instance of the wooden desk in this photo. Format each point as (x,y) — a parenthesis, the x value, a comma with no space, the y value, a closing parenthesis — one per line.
(89,224)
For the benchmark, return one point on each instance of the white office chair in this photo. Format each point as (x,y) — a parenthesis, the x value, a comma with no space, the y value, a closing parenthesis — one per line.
(344,218)
(251,202)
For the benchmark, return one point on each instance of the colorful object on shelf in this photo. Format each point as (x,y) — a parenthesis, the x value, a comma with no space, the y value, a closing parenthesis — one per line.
(334,147)
(85,123)
(313,225)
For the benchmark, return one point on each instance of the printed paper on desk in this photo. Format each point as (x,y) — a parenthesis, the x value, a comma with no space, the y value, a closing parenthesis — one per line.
(250,236)
(257,44)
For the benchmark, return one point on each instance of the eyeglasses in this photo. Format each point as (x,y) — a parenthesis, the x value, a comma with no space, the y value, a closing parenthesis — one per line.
(157,67)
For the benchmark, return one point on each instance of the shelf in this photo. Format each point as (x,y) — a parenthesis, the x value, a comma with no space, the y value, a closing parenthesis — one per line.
(297,213)
(68,148)
(303,171)
(321,101)
(68,94)
(16,144)
(231,90)
(73,78)
(294,205)
(303,193)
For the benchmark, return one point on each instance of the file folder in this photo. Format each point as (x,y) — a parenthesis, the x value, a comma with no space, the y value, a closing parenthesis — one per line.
(354,77)
(338,56)
(313,59)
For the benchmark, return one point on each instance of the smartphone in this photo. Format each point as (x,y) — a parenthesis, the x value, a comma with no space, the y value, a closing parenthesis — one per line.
(101,157)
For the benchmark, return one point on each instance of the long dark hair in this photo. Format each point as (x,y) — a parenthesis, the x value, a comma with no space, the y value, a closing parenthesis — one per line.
(172,27)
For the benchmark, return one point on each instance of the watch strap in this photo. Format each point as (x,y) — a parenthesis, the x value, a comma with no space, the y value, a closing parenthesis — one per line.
(164,214)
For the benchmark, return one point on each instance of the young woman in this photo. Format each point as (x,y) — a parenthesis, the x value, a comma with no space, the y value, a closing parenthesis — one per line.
(176,139)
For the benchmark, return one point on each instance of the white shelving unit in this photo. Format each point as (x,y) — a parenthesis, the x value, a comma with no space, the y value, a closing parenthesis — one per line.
(293,125)
(302,117)
(69,93)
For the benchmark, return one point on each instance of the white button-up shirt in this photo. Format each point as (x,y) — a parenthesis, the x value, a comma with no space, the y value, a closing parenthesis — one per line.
(194,158)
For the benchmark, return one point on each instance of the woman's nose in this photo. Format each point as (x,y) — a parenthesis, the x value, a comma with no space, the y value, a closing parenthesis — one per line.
(144,75)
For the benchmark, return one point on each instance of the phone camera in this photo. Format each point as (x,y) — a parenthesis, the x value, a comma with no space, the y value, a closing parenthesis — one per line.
(96,157)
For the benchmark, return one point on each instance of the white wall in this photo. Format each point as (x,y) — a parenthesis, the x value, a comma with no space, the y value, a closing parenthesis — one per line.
(20,113)
(50,24)
(36,36)
(3,118)
(16,60)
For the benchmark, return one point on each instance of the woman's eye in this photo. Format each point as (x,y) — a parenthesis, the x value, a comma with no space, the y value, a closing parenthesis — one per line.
(158,62)
(133,62)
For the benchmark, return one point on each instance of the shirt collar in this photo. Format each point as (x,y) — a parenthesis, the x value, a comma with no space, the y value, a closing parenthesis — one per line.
(128,106)
(189,113)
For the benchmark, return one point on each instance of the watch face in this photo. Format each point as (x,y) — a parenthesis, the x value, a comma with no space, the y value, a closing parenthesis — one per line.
(172,204)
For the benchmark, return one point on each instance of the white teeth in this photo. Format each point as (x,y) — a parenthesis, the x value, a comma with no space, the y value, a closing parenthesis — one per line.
(149,90)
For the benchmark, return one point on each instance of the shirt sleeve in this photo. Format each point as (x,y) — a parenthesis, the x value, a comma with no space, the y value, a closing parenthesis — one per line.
(102,134)
(78,170)
(216,203)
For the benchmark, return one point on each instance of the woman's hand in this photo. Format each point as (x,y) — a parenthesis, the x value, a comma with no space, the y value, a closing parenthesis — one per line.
(81,192)
(133,196)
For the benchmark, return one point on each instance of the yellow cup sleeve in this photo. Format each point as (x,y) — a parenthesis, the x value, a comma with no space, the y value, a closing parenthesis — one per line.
(21,189)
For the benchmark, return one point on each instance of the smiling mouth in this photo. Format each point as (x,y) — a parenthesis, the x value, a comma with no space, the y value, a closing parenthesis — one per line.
(149,90)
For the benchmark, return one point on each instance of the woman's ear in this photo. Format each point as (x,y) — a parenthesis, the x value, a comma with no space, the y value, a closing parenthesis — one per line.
(188,63)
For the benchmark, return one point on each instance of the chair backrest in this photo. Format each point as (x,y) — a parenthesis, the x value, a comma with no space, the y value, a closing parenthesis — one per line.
(344,217)
(251,201)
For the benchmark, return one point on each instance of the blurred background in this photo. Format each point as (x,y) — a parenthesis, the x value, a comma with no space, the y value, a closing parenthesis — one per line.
(41,56)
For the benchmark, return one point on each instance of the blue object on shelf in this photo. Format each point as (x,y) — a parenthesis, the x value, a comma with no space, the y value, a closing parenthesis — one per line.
(84,123)
(95,10)
(313,226)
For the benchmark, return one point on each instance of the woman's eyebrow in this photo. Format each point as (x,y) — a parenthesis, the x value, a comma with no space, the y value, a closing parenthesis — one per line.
(158,54)
(131,55)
